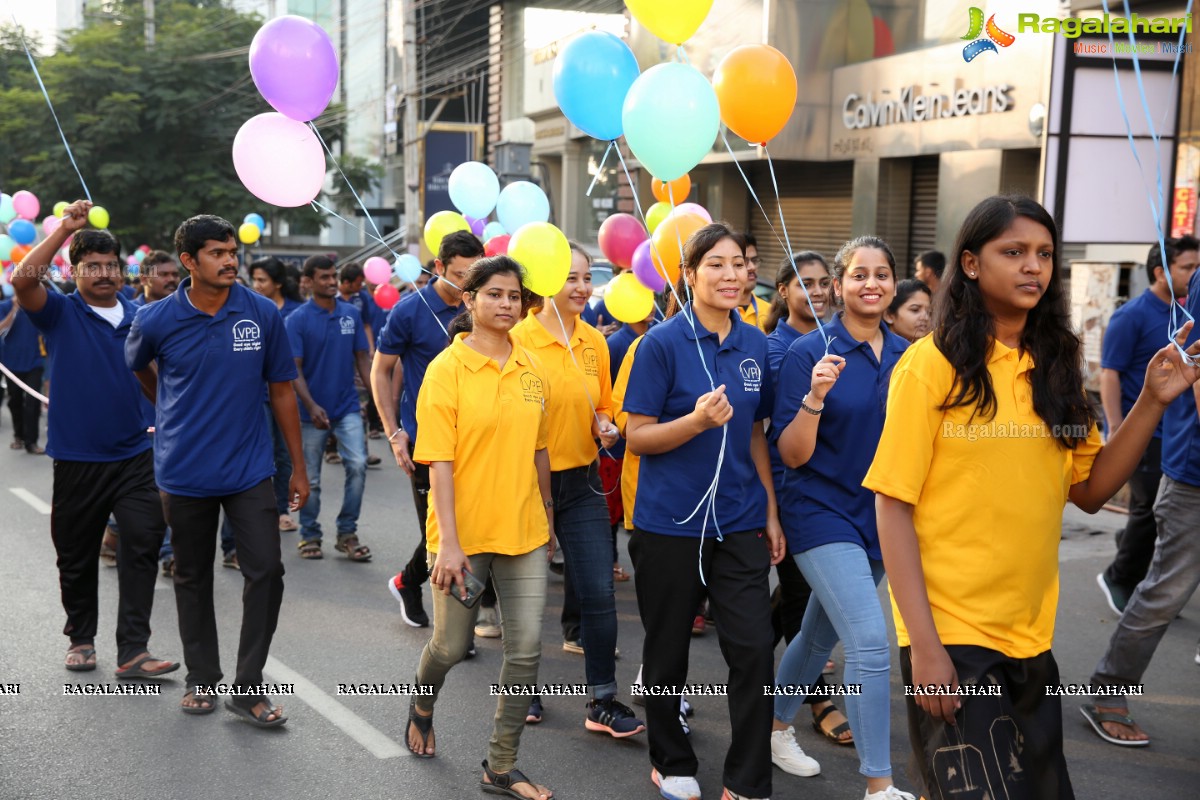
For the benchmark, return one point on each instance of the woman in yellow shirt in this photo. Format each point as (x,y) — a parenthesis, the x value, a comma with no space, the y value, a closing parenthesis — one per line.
(574,356)
(988,434)
(484,430)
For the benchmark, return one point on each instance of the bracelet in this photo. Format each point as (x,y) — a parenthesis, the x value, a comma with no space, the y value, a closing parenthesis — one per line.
(804,406)
(399,431)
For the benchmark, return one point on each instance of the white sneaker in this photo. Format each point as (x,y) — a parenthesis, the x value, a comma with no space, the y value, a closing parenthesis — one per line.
(676,787)
(487,626)
(789,757)
(890,793)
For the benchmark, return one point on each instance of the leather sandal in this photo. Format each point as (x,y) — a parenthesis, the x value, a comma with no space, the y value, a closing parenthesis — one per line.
(503,783)
(424,726)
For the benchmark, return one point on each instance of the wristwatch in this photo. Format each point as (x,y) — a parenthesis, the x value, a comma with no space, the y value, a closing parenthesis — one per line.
(548,503)
(804,406)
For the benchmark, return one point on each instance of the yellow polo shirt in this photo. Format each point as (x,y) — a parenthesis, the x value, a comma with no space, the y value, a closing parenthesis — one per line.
(988,498)
(632,463)
(755,313)
(489,421)
(579,379)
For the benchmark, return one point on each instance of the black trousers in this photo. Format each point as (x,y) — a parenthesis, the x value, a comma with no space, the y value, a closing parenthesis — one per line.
(416,572)
(26,410)
(85,494)
(1010,745)
(1135,544)
(669,590)
(255,522)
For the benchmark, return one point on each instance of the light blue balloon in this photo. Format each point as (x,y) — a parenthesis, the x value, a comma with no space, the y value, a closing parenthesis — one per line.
(7,243)
(407,267)
(7,212)
(522,203)
(256,220)
(474,189)
(671,119)
(592,76)
(492,229)
(22,231)
(133,270)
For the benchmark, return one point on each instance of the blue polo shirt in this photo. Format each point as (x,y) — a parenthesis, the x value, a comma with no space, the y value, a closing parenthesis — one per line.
(415,336)
(211,436)
(22,351)
(1180,423)
(128,291)
(148,411)
(96,414)
(140,300)
(1136,331)
(290,306)
(826,494)
(778,342)
(371,313)
(325,342)
(666,380)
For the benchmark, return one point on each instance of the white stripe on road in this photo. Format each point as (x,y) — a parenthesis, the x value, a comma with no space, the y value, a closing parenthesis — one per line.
(32,499)
(354,726)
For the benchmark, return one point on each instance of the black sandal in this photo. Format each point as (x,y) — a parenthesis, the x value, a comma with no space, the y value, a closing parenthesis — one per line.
(207,705)
(260,720)
(834,734)
(424,727)
(503,783)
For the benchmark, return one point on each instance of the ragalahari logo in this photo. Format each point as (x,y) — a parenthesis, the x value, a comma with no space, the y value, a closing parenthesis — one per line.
(995,36)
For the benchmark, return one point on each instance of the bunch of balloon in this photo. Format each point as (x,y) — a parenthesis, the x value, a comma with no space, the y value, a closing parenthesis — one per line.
(277,155)
(251,229)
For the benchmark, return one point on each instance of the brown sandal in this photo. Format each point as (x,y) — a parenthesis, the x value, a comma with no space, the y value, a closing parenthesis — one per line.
(354,550)
(310,550)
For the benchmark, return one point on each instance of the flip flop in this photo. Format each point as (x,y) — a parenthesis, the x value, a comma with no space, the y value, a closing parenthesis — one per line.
(260,720)
(86,666)
(135,669)
(424,726)
(1095,717)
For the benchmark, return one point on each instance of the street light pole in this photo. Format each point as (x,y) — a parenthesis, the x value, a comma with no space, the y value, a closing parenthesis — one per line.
(412,110)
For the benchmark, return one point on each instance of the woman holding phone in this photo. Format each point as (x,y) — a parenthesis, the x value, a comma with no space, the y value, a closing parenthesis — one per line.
(484,432)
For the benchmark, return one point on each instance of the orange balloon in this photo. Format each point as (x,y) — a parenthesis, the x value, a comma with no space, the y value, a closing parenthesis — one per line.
(666,251)
(19,252)
(680,188)
(756,89)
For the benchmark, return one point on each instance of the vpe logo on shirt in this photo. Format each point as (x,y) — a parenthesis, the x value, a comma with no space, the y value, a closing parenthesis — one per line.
(347,324)
(591,362)
(247,337)
(531,385)
(751,375)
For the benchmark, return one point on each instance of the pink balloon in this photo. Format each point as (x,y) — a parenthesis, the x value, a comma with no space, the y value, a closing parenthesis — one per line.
(692,208)
(279,160)
(131,260)
(619,237)
(643,268)
(377,270)
(50,224)
(26,204)
(386,296)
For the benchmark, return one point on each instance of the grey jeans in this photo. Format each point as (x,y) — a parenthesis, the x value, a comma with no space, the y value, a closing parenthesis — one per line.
(1172,579)
(521,592)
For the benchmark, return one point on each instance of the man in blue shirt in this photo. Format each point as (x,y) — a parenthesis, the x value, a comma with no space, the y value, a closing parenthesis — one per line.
(1135,333)
(23,357)
(204,355)
(99,469)
(330,345)
(159,275)
(415,333)
(350,286)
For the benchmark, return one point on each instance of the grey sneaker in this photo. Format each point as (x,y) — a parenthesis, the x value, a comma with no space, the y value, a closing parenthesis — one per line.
(488,624)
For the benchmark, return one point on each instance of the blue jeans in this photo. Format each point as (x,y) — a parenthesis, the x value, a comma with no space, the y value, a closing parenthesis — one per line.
(352,446)
(283,464)
(585,536)
(844,605)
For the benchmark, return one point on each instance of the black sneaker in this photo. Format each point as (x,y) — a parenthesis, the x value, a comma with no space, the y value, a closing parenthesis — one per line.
(1116,596)
(411,609)
(607,715)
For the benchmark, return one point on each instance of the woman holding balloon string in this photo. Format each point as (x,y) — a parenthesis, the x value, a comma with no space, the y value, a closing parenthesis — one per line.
(826,423)
(698,393)
(575,358)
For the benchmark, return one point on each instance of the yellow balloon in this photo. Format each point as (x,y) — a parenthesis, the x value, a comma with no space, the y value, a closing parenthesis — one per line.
(545,254)
(60,207)
(673,21)
(441,225)
(656,214)
(98,216)
(248,233)
(627,299)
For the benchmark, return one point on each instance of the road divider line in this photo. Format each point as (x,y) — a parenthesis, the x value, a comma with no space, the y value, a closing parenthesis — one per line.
(354,726)
(32,499)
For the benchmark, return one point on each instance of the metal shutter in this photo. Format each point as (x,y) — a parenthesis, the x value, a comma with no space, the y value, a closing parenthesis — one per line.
(816,200)
(922,231)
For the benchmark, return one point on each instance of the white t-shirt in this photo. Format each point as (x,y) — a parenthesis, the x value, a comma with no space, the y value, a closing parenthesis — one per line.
(112,316)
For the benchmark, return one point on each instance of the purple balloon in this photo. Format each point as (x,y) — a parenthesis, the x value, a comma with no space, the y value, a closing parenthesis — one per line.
(477,225)
(294,66)
(643,268)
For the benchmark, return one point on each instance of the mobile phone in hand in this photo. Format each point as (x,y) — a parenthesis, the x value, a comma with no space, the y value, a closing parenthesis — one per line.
(474,590)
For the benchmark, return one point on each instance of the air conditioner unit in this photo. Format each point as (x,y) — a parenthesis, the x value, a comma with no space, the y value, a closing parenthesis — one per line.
(512,159)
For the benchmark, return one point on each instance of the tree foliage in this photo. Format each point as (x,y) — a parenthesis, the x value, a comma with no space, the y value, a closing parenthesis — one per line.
(151,127)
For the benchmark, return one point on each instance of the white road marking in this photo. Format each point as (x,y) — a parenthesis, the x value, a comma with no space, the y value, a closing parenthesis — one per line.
(32,499)
(354,726)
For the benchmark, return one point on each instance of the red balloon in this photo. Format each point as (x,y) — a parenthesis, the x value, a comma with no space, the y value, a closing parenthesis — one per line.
(386,296)
(619,237)
(497,245)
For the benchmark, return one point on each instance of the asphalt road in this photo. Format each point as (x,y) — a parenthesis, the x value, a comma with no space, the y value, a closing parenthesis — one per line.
(340,625)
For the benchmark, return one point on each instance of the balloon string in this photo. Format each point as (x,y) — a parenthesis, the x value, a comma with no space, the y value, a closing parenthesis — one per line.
(436,319)
(14,379)
(750,187)
(637,204)
(1155,206)
(57,124)
(600,169)
(353,191)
